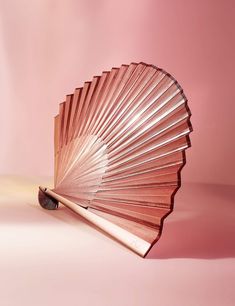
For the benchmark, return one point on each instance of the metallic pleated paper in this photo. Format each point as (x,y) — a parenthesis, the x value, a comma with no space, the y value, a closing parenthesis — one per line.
(120,145)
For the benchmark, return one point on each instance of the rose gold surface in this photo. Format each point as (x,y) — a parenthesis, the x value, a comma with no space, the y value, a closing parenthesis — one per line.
(122,140)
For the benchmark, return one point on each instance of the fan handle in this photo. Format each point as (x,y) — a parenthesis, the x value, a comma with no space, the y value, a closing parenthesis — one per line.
(133,242)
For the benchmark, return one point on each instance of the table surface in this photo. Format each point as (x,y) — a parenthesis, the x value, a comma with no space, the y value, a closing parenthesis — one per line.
(56,258)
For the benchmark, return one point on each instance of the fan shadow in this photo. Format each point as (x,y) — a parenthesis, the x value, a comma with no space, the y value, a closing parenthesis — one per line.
(201,226)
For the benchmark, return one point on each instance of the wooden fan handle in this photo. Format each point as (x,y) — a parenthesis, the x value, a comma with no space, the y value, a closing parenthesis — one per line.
(130,240)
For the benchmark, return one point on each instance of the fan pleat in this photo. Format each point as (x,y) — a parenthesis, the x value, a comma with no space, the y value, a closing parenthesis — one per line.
(145,232)
(143,122)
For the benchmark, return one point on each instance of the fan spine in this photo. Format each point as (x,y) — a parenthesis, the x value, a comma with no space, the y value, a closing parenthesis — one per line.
(130,240)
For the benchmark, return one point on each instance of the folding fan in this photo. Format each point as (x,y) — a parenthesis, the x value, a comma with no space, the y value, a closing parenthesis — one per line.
(120,145)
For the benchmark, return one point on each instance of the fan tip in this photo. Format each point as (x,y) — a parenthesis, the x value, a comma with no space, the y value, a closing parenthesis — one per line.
(45,200)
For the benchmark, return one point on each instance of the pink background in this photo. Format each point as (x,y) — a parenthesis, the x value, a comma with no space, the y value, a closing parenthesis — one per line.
(47,48)
(50,47)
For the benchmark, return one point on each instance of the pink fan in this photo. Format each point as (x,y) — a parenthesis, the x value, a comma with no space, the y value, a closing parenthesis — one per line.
(120,145)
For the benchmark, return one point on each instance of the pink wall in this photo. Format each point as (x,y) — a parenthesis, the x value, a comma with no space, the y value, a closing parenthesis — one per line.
(50,47)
